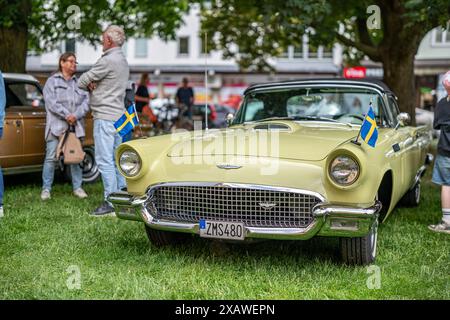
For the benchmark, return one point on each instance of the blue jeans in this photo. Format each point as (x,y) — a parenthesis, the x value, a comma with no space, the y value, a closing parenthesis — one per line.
(441,170)
(49,167)
(1,176)
(106,141)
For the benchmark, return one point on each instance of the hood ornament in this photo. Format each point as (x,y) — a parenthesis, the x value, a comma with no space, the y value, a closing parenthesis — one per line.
(267,205)
(228,166)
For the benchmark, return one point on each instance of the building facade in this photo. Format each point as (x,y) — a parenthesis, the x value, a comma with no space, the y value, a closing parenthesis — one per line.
(168,62)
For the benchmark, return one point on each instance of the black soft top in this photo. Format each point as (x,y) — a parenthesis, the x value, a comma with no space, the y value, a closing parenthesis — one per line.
(380,85)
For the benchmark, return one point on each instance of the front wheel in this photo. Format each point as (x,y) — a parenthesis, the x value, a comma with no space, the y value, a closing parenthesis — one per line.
(412,197)
(360,250)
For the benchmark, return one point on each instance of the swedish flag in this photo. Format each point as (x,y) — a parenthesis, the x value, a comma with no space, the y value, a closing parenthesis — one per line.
(127,121)
(369,131)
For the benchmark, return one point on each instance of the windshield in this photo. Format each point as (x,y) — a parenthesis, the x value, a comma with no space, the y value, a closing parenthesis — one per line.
(345,105)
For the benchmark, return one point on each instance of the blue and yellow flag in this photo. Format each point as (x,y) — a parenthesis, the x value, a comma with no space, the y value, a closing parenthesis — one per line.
(369,131)
(127,121)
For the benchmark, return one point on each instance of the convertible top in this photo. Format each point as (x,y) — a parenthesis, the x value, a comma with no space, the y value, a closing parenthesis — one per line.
(380,85)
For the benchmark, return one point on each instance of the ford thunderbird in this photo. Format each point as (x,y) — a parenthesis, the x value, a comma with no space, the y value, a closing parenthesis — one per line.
(291,165)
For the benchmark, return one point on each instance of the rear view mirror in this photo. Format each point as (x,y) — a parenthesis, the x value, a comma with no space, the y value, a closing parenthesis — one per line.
(230,118)
(403,119)
(311,98)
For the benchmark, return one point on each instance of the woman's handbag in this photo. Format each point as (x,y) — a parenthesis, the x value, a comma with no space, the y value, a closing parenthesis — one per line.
(70,149)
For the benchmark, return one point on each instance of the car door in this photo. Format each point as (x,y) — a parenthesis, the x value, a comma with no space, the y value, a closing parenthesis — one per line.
(11,145)
(33,115)
(406,147)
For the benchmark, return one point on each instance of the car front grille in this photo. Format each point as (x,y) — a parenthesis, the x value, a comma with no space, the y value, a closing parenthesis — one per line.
(255,207)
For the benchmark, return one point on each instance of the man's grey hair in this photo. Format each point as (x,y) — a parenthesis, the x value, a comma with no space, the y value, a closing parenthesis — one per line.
(116,34)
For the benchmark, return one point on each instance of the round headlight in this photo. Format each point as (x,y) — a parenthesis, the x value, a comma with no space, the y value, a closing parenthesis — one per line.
(344,170)
(130,163)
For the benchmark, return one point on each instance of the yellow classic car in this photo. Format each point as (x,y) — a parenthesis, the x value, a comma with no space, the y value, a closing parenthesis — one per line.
(291,165)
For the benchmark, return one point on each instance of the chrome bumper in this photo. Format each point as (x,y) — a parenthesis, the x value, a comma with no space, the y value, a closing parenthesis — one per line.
(329,220)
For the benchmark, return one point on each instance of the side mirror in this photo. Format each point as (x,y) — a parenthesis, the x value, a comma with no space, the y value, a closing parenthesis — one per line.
(403,119)
(230,118)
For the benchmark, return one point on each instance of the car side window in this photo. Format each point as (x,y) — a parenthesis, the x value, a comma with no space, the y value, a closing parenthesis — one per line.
(23,94)
(253,110)
(393,106)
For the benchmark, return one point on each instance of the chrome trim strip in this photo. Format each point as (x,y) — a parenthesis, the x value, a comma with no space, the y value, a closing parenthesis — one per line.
(22,169)
(250,232)
(298,83)
(419,175)
(318,84)
(325,209)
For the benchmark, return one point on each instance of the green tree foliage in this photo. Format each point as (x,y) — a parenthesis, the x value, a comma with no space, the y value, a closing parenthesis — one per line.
(42,24)
(262,29)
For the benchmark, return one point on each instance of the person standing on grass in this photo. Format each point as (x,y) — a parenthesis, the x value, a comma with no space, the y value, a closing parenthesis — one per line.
(66,105)
(107,81)
(2,118)
(441,171)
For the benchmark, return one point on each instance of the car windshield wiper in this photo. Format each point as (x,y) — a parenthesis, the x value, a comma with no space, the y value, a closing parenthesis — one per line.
(274,118)
(315,118)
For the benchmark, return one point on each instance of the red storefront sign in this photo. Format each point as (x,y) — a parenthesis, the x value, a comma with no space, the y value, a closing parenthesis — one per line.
(355,73)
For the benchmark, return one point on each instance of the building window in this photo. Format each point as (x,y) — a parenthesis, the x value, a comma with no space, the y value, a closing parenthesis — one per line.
(327,52)
(140,48)
(183,46)
(69,45)
(441,36)
(298,52)
(312,52)
(285,54)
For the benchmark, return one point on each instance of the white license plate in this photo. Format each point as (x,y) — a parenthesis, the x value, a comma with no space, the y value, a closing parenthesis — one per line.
(222,230)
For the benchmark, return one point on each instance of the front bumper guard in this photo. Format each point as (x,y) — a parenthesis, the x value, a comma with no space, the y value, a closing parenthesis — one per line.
(329,220)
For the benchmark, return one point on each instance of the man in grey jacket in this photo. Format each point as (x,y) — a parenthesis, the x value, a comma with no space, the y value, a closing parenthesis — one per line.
(107,81)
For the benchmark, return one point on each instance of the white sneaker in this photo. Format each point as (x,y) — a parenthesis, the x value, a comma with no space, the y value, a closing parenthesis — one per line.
(45,195)
(1,212)
(441,227)
(80,193)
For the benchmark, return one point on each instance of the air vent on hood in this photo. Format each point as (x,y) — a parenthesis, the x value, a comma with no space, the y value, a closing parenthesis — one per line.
(272,126)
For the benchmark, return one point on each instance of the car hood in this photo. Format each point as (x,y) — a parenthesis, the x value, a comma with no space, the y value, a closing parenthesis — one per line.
(287,140)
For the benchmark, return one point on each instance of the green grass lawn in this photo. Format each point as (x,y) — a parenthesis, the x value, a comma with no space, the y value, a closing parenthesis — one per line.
(41,242)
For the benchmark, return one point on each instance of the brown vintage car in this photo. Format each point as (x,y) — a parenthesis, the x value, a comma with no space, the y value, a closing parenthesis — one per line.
(22,148)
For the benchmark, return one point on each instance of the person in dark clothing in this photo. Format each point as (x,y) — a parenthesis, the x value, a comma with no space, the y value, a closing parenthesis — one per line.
(142,97)
(441,171)
(185,97)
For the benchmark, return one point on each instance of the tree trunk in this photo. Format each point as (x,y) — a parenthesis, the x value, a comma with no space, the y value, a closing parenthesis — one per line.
(13,49)
(398,67)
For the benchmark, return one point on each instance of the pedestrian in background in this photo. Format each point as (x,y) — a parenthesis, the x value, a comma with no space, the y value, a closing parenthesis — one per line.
(107,81)
(2,118)
(441,171)
(142,96)
(66,105)
(185,98)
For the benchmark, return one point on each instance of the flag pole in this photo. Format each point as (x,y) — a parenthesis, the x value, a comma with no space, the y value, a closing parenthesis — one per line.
(359,132)
(137,117)
(206,81)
